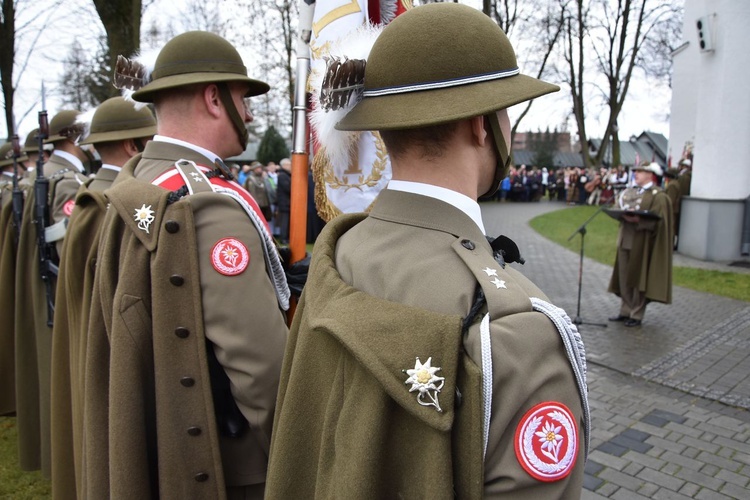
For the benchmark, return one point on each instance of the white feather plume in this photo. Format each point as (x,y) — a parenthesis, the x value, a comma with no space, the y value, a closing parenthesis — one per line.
(84,120)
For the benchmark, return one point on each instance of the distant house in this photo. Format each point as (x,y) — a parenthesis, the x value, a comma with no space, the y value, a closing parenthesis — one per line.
(561,159)
(650,146)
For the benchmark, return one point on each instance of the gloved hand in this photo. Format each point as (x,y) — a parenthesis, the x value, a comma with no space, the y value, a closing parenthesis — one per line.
(296,274)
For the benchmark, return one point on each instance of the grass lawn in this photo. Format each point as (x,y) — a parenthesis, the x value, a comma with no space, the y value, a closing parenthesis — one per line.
(601,245)
(14,483)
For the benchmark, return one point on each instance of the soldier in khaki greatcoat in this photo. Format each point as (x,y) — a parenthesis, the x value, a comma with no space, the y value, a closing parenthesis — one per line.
(33,335)
(7,245)
(420,363)
(118,132)
(643,265)
(191,298)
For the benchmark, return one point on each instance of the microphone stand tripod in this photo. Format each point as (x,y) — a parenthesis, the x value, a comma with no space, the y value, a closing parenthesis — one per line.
(578,320)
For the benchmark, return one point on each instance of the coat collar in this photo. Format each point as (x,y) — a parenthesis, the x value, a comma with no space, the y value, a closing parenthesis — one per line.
(424,211)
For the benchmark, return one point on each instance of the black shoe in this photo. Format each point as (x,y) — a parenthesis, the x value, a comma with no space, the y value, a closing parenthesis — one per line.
(619,317)
(633,322)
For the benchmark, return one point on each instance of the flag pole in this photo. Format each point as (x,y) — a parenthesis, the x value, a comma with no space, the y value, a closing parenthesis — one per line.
(300,136)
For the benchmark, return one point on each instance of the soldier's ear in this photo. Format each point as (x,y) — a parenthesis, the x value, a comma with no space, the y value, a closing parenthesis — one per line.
(479,127)
(212,100)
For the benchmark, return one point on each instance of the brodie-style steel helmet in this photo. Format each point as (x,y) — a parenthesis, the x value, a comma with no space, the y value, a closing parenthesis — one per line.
(116,120)
(201,57)
(64,126)
(412,82)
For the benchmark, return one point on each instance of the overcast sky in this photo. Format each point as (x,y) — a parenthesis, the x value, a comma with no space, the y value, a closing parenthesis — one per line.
(646,108)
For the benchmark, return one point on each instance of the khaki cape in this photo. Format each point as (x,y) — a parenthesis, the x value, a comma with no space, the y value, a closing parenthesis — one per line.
(650,264)
(347,424)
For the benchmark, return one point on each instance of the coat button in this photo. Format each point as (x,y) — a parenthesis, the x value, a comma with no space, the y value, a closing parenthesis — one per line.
(176,280)
(182,332)
(201,477)
(187,381)
(468,244)
(194,431)
(172,226)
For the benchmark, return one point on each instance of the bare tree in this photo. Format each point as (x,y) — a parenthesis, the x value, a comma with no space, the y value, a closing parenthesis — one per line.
(270,29)
(15,56)
(122,23)
(620,37)
(535,28)
(7,58)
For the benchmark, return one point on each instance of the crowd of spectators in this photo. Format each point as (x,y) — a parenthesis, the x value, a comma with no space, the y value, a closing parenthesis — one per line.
(270,185)
(573,185)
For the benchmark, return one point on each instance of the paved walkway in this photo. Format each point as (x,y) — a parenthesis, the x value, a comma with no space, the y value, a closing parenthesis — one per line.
(670,399)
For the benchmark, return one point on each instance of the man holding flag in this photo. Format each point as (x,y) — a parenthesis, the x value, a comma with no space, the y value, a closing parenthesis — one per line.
(420,364)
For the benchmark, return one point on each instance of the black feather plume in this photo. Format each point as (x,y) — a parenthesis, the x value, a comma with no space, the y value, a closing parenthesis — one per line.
(129,74)
(342,80)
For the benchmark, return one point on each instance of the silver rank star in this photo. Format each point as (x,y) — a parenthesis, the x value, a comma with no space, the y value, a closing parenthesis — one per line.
(499,283)
(490,271)
(196,176)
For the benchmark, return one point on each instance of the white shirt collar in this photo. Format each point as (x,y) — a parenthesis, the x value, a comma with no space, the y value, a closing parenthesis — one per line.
(205,152)
(109,166)
(5,172)
(454,198)
(647,186)
(71,158)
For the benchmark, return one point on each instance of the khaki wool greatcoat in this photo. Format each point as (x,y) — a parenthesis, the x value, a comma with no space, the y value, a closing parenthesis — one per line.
(157,300)
(33,336)
(69,333)
(650,243)
(7,306)
(383,291)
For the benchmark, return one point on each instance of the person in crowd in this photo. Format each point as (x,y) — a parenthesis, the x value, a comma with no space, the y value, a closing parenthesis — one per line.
(643,265)
(283,198)
(260,187)
(382,387)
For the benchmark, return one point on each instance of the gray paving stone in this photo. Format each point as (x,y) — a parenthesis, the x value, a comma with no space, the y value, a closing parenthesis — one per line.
(648,490)
(628,482)
(665,494)
(645,460)
(623,494)
(682,460)
(690,489)
(608,489)
(665,444)
(718,461)
(590,495)
(608,460)
(734,478)
(705,494)
(734,491)
(633,468)
(699,444)
(661,479)
(699,479)
(631,444)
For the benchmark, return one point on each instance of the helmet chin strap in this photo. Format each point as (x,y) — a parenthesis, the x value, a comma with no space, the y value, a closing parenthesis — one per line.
(239,124)
(503,154)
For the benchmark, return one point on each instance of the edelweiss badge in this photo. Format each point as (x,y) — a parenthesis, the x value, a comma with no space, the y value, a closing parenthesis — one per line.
(423,379)
(230,256)
(144,216)
(547,441)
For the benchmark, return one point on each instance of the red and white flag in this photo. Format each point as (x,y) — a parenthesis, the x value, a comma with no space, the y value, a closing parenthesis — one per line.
(350,168)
